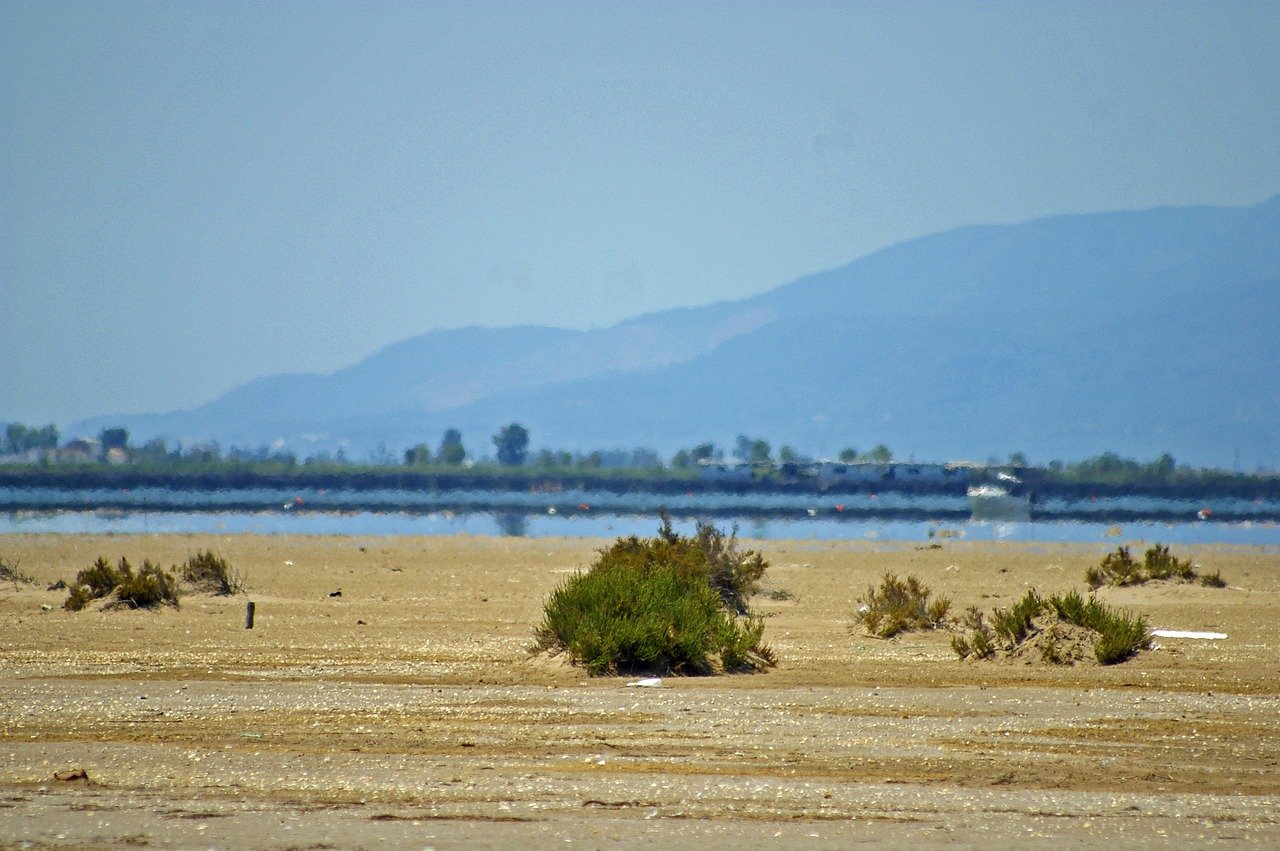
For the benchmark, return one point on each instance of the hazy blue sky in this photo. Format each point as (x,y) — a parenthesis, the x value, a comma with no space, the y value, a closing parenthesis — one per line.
(194,194)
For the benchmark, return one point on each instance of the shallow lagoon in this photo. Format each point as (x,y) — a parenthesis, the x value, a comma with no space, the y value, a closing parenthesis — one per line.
(606,524)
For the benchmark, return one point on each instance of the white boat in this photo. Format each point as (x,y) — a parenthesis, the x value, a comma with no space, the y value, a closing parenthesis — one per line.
(992,502)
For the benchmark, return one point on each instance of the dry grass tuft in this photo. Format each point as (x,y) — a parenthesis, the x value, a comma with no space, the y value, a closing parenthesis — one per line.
(206,571)
(900,605)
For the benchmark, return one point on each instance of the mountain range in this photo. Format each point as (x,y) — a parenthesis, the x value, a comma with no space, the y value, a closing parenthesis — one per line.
(1137,332)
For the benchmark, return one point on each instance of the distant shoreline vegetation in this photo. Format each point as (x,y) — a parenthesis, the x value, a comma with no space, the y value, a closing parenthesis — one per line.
(33,457)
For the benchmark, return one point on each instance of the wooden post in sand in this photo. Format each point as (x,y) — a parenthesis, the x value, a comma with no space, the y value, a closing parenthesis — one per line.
(248,615)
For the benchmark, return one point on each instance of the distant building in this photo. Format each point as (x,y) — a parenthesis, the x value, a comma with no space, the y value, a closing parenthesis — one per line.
(857,472)
(81,449)
(939,473)
(724,471)
(829,474)
(28,456)
(870,472)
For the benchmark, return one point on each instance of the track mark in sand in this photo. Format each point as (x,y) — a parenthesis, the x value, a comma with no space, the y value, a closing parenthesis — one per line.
(492,819)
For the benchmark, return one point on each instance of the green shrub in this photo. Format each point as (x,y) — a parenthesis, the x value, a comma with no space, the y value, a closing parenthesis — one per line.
(900,605)
(978,643)
(973,619)
(1073,608)
(1119,635)
(1159,563)
(94,583)
(148,588)
(662,604)
(1119,569)
(77,598)
(1013,624)
(101,579)
(983,647)
(735,574)
(209,572)
(1122,635)
(1213,580)
(1094,578)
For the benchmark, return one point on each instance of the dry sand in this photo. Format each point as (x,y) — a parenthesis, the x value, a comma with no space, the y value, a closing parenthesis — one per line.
(406,711)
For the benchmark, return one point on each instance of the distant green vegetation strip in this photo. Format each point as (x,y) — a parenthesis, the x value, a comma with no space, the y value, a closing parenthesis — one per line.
(222,474)
(239,474)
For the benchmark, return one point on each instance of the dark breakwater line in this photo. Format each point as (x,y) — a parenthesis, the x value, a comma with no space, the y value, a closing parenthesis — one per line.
(565,503)
(250,476)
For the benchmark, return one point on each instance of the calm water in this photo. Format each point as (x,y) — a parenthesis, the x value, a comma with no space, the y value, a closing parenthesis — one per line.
(605,524)
(887,504)
(889,516)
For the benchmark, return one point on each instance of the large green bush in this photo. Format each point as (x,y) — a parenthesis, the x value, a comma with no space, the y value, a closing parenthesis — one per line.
(665,604)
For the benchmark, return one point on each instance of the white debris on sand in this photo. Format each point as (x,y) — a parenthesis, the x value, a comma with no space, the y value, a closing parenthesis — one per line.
(1183,633)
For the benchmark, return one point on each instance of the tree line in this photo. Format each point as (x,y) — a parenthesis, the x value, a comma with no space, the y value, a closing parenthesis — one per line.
(20,438)
(512,449)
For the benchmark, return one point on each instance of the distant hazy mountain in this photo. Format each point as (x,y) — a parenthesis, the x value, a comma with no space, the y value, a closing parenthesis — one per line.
(1138,332)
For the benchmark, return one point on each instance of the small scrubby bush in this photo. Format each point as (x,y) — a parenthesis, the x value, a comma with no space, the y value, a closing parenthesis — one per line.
(1213,580)
(9,572)
(93,583)
(1072,607)
(977,643)
(1159,563)
(209,572)
(1119,569)
(1013,624)
(101,579)
(1119,635)
(735,574)
(667,604)
(900,605)
(77,598)
(146,589)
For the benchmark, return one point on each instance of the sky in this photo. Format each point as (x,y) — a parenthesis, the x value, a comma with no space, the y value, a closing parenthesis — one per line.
(196,194)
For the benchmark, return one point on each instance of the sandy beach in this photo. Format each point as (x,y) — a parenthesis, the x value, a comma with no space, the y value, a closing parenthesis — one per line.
(406,711)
